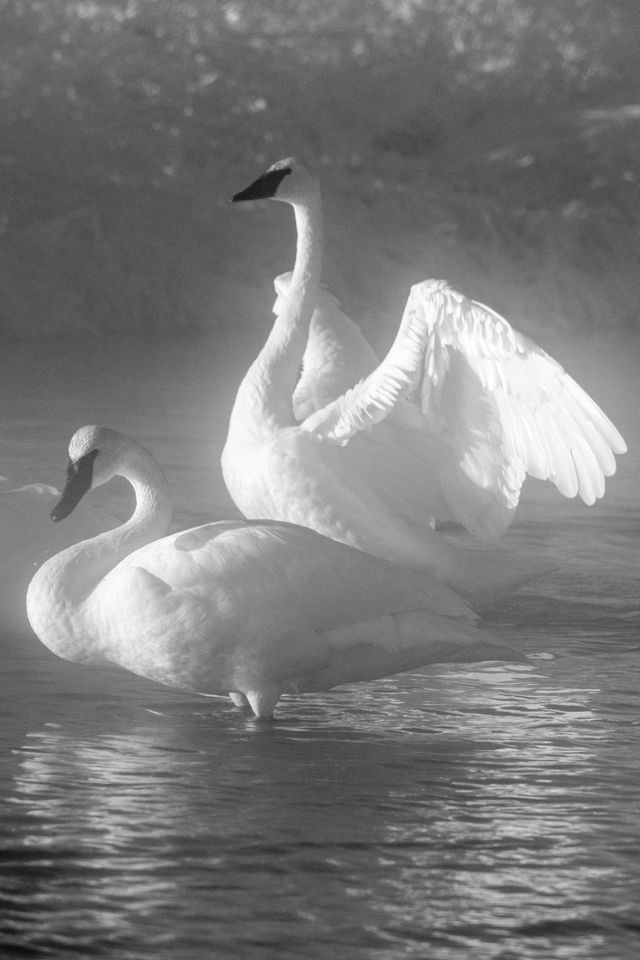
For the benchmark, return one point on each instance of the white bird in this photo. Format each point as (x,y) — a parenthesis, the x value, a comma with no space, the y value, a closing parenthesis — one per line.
(448,425)
(254,609)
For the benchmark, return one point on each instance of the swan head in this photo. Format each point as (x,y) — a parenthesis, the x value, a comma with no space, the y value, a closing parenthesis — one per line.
(95,456)
(289,180)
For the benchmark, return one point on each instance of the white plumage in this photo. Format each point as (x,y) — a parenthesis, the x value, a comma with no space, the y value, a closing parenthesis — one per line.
(254,609)
(503,407)
(447,426)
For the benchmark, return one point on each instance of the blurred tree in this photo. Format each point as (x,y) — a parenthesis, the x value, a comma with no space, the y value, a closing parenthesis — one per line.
(137,89)
(477,102)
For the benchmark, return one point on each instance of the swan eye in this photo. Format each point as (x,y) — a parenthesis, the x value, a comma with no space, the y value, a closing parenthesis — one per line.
(79,477)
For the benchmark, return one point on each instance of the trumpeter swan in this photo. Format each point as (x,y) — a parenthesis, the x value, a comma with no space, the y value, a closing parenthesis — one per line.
(447,425)
(255,609)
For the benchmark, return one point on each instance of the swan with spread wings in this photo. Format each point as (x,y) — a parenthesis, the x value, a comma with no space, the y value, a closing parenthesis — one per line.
(447,425)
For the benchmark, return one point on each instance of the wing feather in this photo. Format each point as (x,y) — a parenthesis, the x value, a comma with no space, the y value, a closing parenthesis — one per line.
(337,354)
(502,406)
(374,397)
(548,421)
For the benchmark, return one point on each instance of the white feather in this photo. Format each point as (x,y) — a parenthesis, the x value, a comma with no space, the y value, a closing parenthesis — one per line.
(448,424)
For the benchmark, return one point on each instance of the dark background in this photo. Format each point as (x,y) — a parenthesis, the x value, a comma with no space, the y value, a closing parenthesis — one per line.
(492,142)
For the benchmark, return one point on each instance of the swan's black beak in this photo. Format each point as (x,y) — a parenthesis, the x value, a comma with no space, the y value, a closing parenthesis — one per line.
(79,477)
(264,187)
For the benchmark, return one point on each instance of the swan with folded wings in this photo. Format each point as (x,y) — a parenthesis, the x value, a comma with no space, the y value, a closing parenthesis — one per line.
(251,608)
(448,425)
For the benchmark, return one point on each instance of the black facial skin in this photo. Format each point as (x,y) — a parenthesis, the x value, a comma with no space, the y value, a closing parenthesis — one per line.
(264,187)
(79,476)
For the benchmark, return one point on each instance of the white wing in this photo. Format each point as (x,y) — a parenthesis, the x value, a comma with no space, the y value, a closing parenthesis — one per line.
(501,404)
(281,566)
(336,356)
(284,604)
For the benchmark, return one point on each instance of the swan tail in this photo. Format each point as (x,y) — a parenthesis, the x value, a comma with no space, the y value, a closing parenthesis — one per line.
(398,643)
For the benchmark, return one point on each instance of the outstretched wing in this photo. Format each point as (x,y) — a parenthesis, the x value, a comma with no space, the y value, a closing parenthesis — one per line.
(503,407)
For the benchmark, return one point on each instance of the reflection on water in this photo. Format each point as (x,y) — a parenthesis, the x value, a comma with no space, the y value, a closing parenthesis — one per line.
(379,821)
(487,811)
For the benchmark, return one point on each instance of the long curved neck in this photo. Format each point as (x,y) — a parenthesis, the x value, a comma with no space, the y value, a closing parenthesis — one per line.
(265,394)
(61,586)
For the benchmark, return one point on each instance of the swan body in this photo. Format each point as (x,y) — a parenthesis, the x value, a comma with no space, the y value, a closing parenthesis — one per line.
(254,609)
(447,426)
